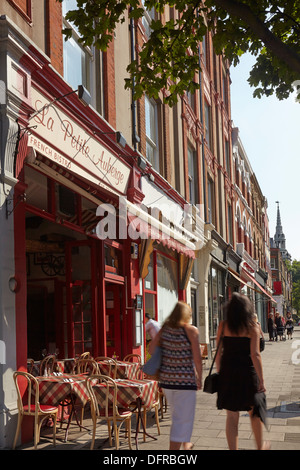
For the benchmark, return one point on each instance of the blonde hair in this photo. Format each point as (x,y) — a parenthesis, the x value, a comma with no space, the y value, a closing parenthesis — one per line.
(181,314)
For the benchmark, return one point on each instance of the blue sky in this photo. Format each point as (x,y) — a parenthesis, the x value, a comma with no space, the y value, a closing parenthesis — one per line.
(270,133)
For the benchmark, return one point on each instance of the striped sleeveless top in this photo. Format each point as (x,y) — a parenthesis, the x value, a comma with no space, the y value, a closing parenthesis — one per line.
(177,365)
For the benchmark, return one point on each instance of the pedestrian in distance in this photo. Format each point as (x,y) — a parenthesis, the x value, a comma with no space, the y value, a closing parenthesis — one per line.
(271,327)
(279,326)
(289,324)
(180,374)
(241,382)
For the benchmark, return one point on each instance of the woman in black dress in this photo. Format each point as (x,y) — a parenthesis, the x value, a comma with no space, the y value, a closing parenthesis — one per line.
(241,385)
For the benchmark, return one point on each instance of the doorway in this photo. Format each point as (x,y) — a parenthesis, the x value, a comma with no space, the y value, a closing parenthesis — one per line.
(113,306)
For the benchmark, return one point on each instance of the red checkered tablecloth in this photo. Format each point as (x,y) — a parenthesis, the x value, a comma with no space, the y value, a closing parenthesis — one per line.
(54,389)
(125,370)
(129,391)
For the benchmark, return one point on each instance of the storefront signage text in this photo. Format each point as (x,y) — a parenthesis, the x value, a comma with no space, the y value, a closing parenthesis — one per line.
(59,131)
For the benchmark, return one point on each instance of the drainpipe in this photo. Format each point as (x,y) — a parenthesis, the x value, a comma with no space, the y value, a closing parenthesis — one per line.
(135,138)
(202,142)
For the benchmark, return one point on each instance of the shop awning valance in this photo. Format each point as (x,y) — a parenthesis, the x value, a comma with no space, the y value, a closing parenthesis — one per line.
(143,226)
(251,279)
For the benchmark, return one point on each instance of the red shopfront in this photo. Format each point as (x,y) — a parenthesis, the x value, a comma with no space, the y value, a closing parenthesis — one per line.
(76,290)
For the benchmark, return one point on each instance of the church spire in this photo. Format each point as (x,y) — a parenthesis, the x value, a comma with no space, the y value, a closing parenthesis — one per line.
(279,237)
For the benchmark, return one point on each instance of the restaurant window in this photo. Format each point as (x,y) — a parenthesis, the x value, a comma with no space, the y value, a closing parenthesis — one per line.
(37,190)
(161,285)
(113,260)
(167,285)
(152,140)
(215,301)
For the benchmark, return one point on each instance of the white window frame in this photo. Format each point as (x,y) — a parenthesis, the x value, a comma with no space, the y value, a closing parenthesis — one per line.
(150,143)
(94,67)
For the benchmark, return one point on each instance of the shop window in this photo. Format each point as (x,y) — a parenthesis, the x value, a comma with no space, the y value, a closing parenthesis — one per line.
(37,189)
(113,260)
(167,285)
(66,204)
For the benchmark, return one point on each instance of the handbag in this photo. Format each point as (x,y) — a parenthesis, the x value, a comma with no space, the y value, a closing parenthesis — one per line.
(152,366)
(211,383)
(261,344)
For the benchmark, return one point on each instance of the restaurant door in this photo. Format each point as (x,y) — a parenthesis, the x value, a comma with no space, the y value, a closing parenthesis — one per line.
(79,328)
(113,302)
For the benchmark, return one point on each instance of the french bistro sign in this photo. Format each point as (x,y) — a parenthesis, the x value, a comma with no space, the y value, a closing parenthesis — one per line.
(62,140)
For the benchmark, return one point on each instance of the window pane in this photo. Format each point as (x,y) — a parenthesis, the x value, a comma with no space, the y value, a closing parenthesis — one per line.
(167,286)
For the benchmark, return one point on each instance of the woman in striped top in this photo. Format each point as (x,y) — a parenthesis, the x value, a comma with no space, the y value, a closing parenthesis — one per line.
(180,373)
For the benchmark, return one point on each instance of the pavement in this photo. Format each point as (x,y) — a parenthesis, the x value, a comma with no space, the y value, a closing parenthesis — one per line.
(281,364)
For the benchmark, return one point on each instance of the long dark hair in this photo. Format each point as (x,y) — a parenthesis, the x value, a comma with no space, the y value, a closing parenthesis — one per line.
(239,313)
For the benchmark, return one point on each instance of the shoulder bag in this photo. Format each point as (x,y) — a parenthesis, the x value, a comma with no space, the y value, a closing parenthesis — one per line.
(211,383)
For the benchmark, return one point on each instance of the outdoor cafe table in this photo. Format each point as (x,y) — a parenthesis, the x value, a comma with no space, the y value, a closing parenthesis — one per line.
(61,365)
(56,389)
(137,392)
(125,370)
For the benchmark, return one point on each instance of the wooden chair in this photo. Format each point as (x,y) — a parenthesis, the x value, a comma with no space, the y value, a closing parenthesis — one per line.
(82,366)
(155,405)
(112,365)
(86,355)
(133,358)
(32,407)
(47,365)
(108,410)
(30,365)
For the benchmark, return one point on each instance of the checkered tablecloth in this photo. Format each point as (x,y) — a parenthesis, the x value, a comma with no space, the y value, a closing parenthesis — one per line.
(129,391)
(125,370)
(54,389)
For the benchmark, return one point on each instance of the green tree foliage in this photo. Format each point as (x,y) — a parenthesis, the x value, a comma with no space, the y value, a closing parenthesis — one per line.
(270,30)
(295,268)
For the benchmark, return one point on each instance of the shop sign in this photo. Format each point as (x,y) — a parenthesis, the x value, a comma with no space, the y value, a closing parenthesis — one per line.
(77,150)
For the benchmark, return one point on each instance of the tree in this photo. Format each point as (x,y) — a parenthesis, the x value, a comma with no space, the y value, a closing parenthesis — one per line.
(169,60)
(295,268)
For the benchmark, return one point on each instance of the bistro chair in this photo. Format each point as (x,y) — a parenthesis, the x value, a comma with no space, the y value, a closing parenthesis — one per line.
(30,406)
(30,365)
(133,358)
(136,358)
(155,405)
(83,366)
(47,365)
(110,363)
(86,355)
(108,410)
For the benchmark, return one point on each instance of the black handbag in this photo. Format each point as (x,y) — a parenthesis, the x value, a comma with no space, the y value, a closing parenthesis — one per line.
(261,344)
(211,383)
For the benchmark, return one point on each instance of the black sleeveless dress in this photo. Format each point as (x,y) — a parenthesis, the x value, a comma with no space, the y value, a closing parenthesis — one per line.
(238,381)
